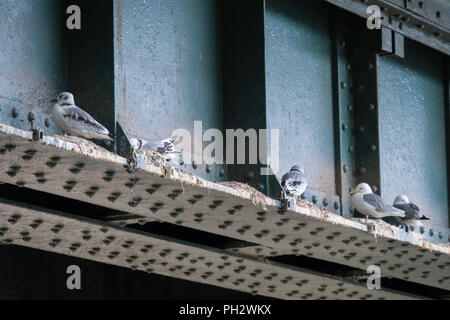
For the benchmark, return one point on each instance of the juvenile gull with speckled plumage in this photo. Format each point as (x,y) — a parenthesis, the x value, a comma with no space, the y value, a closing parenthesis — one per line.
(75,121)
(412,211)
(294,182)
(163,147)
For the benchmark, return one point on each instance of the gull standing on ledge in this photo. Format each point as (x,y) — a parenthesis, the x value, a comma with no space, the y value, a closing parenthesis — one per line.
(75,121)
(412,211)
(371,204)
(294,182)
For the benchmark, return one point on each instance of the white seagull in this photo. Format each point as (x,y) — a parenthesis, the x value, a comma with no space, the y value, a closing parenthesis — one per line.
(75,121)
(370,204)
(294,182)
(412,211)
(163,147)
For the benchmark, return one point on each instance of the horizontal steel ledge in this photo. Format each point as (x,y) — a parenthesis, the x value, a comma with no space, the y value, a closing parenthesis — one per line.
(83,171)
(83,238)
(403,21)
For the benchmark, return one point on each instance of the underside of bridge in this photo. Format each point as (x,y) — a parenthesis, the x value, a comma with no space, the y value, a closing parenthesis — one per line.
(347,102)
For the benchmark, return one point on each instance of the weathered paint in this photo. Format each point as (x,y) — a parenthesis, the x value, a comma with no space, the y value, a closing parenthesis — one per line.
(412,130)
(32,59)
(167,65)
(299,87)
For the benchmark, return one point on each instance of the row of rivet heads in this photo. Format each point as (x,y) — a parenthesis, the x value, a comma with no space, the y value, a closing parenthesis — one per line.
(397,20)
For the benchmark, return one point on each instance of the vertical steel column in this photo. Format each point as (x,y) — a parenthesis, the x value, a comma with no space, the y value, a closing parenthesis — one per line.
(366,120)
(343,110)
(447,126)
(366,45)
(90,56)
(244,97)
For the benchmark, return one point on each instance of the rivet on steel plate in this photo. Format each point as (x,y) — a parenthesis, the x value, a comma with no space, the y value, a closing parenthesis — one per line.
(14,112)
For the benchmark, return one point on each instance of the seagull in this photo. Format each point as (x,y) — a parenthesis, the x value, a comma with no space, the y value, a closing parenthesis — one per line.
(370,204)
(294,182)
(75,121)
(163,147)
(412,211)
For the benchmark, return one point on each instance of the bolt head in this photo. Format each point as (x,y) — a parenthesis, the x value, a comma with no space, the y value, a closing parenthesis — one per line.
(14,112)
(31,116)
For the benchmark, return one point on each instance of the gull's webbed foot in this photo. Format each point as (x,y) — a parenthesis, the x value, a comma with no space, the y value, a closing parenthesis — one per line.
(131,161)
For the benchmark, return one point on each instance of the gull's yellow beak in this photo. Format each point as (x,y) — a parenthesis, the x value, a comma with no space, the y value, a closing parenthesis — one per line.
(352,192)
